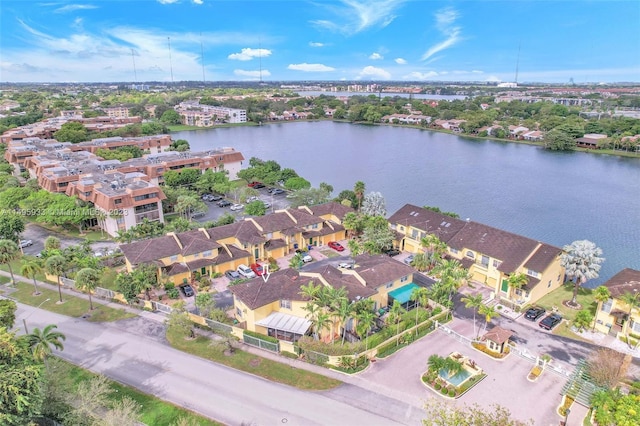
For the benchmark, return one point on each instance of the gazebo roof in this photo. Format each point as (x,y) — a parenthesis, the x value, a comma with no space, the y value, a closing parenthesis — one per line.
(498,335)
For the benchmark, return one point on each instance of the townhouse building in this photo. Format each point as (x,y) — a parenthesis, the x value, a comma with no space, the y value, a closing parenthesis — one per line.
(620,315)
(276,307)
(491,255)
(247,241)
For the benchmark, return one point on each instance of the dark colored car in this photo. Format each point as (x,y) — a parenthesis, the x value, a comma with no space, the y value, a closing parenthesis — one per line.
(259,185)
(534,313)
(336,246)
(232,275)
(216,197)
(187,290)
(224,203)
(392,252)
(255,184)
(549,322)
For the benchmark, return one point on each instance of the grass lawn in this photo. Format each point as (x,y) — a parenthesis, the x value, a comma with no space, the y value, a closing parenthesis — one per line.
(563,329)
(72,306)
(108,278)
(73,231)
(329,253)
(556,297)
(153,411)
(244,361)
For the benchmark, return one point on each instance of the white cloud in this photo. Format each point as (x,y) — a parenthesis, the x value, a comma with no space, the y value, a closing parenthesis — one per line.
(419,76)
(356,15)
(445,20)
(168,1)
(373,73)
(310,67)
(400,61)
(252,74)
(198,1)
(248,54)
(74,7)
(376,56)
(316,44)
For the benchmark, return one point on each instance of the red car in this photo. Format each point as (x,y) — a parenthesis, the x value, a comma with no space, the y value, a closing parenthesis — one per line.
(257,268)
(255,185)
(336,246)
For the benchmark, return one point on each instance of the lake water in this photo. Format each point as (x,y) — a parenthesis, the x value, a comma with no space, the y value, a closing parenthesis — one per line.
(554,197)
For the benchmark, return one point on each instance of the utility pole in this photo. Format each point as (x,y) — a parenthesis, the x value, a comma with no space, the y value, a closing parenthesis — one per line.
(202,57)
(170,63)
(135,73)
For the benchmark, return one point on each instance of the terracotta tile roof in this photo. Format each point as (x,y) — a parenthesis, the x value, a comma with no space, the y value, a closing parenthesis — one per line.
(379,270)
(497,334)
(196,241)
(276,243)
(625,281)
(282,285)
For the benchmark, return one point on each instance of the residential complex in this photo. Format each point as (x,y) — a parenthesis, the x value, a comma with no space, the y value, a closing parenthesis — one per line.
(180,257)
(124,192)
(195,114)
(491,255)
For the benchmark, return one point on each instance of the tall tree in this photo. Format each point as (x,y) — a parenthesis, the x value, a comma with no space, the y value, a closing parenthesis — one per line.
(7,313)
(582,262)
(358,190)
(56,265)
(366,320)
(11,225)
(474,302)
(633,301)
(9,252)
(517,281)
(601,294)
(420,296)
(30,268)
(43,341)
(489,313)
(87,279)
(395,317)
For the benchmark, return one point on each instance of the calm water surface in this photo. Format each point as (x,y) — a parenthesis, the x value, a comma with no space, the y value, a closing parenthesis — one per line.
(548,196)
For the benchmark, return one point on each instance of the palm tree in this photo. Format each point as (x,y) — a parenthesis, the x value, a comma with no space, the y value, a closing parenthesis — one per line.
(631,299)
(434,247)
(344,311)
(395,315)
(355,248)
(359,189)
(452,366)
(335,297)
(452,275)
(42,341)
(473,302)
(9,252)
(55,265)
(516,282)
(436,363)
(582,262)
(310,291)
(323,321)
(87,279)
(313,311)
(601,294)
(421,262)
(489,312)
(366,320)
(420,295)
(30,268)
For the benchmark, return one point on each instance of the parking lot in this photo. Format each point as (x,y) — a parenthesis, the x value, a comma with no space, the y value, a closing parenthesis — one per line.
(214,212)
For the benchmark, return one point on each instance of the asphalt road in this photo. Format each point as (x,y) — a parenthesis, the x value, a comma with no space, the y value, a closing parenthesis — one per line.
(38,234)
(134,352)
(278,202)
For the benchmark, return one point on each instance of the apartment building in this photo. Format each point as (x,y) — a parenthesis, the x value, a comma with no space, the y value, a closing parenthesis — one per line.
(491,255)
(195,114)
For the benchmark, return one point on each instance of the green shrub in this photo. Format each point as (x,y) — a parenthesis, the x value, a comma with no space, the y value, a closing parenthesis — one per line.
(437,310)
(437,386)
(173,293)
(288,355)
(444,391)
(216,275)
(260,336)
(452,392)
(169,286)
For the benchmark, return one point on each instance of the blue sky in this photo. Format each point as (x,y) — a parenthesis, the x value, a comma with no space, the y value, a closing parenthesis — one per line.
(299,40)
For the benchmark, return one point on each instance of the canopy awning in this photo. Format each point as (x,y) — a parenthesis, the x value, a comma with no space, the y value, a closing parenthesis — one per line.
(285,322)
(403,294)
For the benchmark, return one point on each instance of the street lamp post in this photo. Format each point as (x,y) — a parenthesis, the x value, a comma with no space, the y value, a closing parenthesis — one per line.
(566,416)
(24,320)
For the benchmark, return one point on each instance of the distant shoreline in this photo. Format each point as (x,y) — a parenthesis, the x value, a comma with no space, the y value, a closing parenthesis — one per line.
(625,154)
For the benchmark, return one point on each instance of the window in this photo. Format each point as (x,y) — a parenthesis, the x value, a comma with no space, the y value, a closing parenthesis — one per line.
(314,226)
(87,193)
(120,220)
(285,304)
(606,306)
(532,273)
(496,263)
(454,251)
(118,201)
(484,261)
(414,234)
(470,254)
(388,285)
(558,277)
(196,255)
(239,312)
(174,258)
(549,285)
(207,253)
(145,196)
(635,326)
(404,279)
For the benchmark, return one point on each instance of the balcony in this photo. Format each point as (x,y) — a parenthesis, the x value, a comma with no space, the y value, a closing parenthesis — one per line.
(153,215)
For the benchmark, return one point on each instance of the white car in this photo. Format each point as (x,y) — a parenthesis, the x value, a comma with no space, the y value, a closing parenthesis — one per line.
(345,265)
(236,207)
(245,271)
(25,243)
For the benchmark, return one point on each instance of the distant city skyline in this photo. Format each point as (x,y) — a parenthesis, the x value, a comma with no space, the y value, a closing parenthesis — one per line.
(350,40)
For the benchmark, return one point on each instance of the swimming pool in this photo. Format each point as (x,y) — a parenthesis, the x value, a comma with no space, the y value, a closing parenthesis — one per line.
(456,380)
